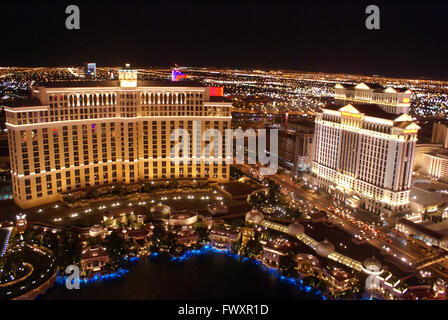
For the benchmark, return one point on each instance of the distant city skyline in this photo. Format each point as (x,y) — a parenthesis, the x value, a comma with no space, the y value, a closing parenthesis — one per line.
(308,36)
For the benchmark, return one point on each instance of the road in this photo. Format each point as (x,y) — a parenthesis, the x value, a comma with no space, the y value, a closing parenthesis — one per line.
(409,253)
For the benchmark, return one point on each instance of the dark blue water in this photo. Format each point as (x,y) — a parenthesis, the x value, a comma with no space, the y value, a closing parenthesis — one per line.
(206,276)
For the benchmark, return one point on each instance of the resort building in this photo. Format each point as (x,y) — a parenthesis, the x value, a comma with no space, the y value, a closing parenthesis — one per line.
(431,233)
(308,265)
(186,236)
(217,208)
(222,238)
(440,134)
(115,217)
(21,223)
(94,258)
(338,279)
(435,165)
(247,234)
(391,100)
(274,249)
(420,163)
(295,150)
(73,135)
(142,234)
(432,159)
(365,154)
(187,218)
(295,140)
(428,197)
(97,230)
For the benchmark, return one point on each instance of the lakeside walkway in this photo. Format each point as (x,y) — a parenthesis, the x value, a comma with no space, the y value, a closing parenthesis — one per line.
(338,257)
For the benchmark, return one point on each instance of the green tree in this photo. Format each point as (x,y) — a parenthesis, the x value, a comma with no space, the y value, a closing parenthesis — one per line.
(203,234)
(92,241)
(147,188)
(92,193)
(252,248)
(235,173)
(174,184)
(69,249)
(258,200)
(119,190)
(177,249)
(12,262)
(116,247)
(274,191)
(236,246)
(311,281)
(50,241)
(158,233)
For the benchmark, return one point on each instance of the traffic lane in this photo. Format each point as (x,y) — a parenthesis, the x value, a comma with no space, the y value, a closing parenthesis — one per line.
(409,253)
(319,204)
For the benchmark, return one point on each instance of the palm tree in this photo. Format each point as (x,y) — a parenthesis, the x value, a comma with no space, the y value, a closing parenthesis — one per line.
(253,248)
(274,190)
(203,234)
(116,247)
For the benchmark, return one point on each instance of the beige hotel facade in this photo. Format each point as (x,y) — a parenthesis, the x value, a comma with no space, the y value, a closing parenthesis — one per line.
(73,135)
(363,149)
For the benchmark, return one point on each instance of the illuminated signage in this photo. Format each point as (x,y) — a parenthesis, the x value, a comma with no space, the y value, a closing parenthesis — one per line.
(127,77)
(353,115)
(90,69)
(410,131)
(216,91)
(176,75)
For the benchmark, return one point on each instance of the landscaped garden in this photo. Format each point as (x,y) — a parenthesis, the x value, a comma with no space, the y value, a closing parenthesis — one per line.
(120,191)
(275,202)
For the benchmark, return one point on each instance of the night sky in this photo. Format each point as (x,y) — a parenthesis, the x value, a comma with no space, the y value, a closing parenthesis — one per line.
(327,36)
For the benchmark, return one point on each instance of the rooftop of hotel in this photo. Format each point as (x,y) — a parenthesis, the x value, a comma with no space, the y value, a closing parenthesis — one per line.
(422,193)
(183,215)
(433,186)
(439,155)
(93,252)
(22,102)
(139,232)
(34,101)
(376,87)
(236,188)
(368,109)
(116,83)
(340,274)
(440,227)
(233,208)
(219,99)
(222,230)
(422,228)
(279,244)
(301,125)
(183,232)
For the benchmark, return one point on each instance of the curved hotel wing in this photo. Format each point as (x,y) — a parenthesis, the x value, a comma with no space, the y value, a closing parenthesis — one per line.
(363,152)
(73,135)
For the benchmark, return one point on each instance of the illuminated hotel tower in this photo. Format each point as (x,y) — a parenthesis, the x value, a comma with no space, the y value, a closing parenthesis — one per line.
(73,135)
(391,100)
(363,153)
